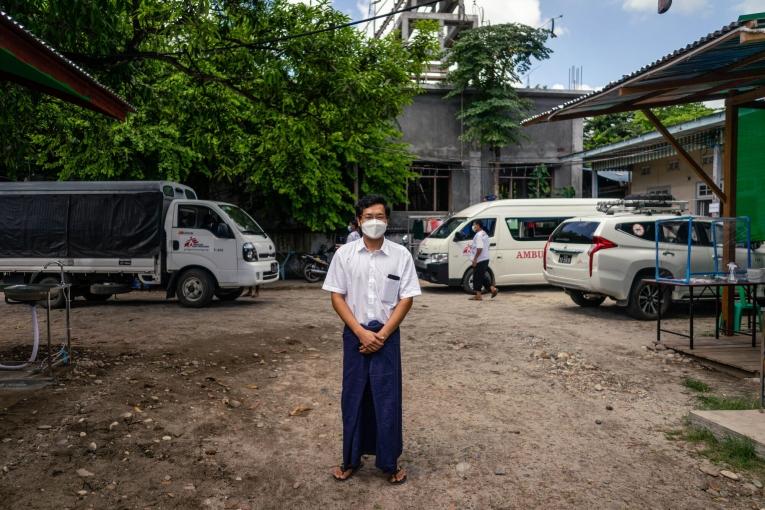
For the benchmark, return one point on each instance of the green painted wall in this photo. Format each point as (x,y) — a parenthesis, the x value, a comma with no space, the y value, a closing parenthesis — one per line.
(750,186)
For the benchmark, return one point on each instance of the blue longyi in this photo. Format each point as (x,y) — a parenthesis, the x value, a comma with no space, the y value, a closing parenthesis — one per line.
(371,401)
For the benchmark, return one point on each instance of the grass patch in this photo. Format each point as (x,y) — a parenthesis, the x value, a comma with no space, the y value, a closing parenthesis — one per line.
(739,453)
(715,403)
(695,385)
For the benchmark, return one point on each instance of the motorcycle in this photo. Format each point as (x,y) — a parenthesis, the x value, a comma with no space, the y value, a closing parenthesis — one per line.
(315,266)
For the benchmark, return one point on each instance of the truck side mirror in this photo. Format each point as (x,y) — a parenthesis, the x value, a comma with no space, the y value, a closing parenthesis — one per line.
(223,231)
(459,236)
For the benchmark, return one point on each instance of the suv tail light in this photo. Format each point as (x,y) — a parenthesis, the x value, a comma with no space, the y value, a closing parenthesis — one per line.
(544,256)
(599,243)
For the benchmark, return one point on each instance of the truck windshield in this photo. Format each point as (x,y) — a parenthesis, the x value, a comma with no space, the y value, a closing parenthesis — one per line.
(447,228)
(244,221)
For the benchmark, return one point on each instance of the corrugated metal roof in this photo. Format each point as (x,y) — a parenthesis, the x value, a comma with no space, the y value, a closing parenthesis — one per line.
(670,80)
(10,23)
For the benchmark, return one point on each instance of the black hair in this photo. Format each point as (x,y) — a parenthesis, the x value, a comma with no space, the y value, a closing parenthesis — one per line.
(478,222)
(369,201)
(354,222)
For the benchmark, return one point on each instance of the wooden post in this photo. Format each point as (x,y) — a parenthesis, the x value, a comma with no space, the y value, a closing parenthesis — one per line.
(729,205)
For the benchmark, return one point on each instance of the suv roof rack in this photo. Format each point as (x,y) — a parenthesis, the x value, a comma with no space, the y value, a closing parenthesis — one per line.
(644,204)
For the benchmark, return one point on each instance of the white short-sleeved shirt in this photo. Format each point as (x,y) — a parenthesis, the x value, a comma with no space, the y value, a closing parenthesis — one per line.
(372,282)
(481,240)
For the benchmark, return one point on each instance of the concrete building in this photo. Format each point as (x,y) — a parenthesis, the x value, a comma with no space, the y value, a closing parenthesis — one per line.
(655,167)
(454,174)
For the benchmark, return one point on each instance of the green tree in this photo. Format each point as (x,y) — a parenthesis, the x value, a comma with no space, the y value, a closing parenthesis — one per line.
(539,185)
(226,92)
(488,61)
(607,129)
(615,127)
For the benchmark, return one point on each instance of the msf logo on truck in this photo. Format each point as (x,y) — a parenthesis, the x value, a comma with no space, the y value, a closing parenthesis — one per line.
(192,243)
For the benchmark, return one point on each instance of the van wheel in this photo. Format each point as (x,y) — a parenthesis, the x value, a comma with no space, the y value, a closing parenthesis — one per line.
(195,288)
(467,280)
(57,297)
(644,300)
(586,300)
(229,294)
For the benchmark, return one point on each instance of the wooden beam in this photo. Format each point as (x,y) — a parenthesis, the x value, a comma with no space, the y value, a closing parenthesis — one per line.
(713,78)
(729,205)
(699,96)
(751,37)
(684,154)
(565,114)
(748,97)
(759,105)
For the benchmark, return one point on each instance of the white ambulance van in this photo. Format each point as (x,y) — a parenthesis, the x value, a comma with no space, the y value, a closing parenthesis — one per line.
(518,230)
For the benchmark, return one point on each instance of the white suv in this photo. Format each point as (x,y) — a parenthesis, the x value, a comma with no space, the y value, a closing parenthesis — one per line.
(609,256)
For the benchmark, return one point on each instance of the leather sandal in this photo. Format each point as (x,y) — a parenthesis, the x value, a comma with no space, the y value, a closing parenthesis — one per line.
(392,479)
(343,469)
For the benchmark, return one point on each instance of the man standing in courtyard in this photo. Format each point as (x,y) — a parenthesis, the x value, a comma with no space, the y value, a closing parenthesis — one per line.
(373,283)
(480,252)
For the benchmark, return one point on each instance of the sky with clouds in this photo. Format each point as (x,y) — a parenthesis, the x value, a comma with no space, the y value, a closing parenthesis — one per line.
(607,38)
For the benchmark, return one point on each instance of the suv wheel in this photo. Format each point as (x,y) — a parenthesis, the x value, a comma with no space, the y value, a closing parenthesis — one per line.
(644,300)
(586,300)
(195,288)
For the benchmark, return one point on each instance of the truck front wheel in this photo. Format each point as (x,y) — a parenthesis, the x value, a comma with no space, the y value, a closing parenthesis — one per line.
(195,288)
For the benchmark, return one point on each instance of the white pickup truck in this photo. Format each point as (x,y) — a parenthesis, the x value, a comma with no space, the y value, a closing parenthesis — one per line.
(112,237)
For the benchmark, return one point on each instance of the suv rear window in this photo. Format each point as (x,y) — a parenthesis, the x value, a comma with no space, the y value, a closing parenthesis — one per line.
(575,232)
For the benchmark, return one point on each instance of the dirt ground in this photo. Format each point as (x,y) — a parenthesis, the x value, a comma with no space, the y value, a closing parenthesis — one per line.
(237,406)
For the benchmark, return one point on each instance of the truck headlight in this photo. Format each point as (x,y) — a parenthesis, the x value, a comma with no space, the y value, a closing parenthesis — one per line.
(439,257)
(249,253)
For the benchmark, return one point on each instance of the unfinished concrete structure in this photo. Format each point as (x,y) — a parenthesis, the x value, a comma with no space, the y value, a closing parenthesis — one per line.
(454,174)
(450,15)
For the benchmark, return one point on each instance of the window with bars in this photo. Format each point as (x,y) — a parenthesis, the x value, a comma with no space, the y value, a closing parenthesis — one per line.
(703,191)
(521,181)
(429,191)
(673,165)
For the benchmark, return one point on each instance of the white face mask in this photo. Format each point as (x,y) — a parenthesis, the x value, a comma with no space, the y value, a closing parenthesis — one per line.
(475,229)
(374,229)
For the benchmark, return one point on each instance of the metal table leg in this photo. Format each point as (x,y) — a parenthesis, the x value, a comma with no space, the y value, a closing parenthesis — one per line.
(691,318)
(658,314)
(717,312)
(762,373)
(755,315)
(50,358)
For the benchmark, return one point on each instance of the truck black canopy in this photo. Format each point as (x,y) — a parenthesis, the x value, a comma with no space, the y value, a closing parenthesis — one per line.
(55,223)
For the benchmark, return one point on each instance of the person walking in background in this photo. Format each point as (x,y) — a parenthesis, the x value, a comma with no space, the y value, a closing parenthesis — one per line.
(353,231)
(373,283)
(480,250)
